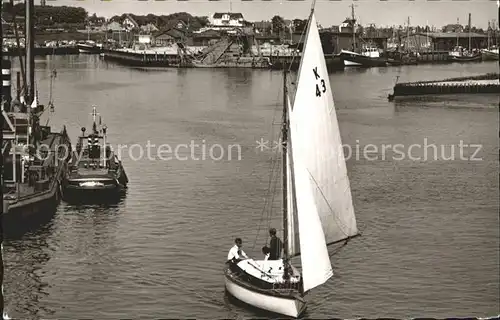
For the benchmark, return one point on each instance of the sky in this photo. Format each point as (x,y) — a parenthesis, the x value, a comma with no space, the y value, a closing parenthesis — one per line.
(328,12)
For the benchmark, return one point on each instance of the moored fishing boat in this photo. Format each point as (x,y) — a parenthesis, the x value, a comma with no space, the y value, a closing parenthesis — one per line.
(317,203)
(489,54)
(89,46)
(465,57)
(370,57)
(95,173)
(34,156)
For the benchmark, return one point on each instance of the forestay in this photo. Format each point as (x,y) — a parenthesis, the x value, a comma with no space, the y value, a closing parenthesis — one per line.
(292,242)
(316,128)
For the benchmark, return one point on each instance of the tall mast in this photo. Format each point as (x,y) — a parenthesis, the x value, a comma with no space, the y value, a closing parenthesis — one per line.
(489,34)
(353,28)
(284,134)
(470,45)
(94,115)
(1,176)
(30,46)
(458,26)
(408,35)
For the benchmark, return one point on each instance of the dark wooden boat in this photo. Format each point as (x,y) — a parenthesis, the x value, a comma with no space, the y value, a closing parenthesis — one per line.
(34,156)
(402,59)
(95,173)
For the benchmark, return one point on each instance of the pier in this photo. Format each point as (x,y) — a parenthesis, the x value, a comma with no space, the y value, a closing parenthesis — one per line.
(43,51)
(483,84)
(173,59)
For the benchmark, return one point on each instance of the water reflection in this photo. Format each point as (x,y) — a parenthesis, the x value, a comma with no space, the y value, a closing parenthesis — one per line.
(25,260)
(105,201)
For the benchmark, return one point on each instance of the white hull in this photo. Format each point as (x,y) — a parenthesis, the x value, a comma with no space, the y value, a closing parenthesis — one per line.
(348,63)
(286,306)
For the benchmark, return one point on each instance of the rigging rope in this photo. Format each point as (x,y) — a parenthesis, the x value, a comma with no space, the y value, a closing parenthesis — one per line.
(270,189)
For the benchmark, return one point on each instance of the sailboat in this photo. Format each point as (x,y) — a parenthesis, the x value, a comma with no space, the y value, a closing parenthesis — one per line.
(317,202)
(491,52)
(460,55)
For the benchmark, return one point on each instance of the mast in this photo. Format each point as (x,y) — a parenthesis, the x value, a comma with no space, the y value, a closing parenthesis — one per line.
(458,25)
(353,28)
(94,114)
(30,58)
(427,35)
(470,48)
(1,176)
(489,34)
(284,134)
(408,36)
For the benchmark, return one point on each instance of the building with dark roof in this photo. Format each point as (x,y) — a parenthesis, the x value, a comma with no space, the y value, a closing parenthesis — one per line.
(445,41)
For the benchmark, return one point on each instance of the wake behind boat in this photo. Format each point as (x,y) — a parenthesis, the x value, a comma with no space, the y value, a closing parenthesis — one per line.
(95,172)
(317,203)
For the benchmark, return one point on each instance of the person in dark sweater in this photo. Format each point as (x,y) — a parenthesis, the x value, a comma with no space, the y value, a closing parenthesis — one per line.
(276,245)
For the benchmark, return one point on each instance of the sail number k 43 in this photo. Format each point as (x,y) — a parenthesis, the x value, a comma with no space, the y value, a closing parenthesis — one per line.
(320,87)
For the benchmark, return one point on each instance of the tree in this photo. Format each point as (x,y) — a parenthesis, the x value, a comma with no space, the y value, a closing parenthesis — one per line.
(299,25)
(278,24)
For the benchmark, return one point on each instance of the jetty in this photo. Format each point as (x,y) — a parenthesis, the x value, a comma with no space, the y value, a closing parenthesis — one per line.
(482,84)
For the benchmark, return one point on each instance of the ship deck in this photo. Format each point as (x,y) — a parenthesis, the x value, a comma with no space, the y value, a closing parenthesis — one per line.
(24,190)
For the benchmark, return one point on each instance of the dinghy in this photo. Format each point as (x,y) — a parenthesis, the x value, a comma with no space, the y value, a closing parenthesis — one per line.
(317,203)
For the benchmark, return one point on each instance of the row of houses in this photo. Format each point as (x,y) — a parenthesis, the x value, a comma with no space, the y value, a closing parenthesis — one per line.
(219,21)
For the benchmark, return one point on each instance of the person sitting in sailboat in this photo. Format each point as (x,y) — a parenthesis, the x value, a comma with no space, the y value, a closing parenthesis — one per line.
(266,252)
(235,255)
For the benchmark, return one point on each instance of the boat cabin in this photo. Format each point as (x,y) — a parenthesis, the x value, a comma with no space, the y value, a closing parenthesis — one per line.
(370,51)
(93,153)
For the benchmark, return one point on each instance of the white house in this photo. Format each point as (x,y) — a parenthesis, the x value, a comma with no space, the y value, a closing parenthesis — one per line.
(143,38)
(226,19)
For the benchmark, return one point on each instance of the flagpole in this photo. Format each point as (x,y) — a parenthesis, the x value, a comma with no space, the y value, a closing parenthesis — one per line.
(312,6)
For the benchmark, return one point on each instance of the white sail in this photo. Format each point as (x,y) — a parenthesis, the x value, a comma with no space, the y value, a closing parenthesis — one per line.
(316,266)
(316,125)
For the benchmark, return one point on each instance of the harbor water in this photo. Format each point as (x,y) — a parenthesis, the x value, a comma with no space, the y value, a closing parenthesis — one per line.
(428,217)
